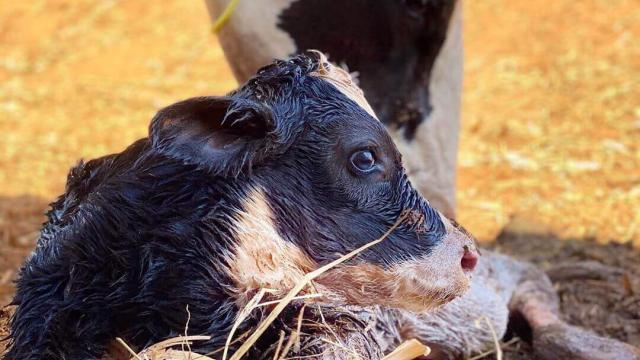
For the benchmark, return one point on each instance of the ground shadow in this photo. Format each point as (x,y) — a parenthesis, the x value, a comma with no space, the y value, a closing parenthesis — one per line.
(20,221)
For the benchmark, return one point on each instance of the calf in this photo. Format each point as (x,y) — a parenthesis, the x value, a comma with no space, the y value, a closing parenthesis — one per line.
(227,196)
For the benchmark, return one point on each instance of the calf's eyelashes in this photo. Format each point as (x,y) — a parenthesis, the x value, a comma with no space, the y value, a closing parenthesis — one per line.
(363,162)
(224,135)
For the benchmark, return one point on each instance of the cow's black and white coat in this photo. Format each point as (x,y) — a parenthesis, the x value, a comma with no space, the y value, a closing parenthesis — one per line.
(227,196)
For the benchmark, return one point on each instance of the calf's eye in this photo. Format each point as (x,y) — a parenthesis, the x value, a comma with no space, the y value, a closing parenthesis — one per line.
(363,161)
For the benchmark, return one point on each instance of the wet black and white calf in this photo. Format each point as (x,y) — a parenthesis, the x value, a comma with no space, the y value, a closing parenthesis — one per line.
(227,196)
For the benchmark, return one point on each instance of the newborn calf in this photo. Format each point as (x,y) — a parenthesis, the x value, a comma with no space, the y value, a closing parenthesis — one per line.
(227,196)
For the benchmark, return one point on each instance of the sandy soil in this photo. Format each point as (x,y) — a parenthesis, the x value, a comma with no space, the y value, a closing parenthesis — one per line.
(551,116)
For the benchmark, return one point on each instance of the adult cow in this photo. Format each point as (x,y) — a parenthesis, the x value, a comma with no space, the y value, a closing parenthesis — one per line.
(407,54)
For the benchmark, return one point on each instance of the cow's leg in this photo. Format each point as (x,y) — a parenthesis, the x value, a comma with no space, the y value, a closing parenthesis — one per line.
(431,155)
(251,37)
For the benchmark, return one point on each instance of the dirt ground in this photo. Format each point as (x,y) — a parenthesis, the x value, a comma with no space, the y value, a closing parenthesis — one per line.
(551,117)
(550,139)
(598,285)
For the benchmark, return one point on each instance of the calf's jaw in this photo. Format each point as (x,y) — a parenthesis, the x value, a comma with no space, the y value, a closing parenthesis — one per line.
(417,285)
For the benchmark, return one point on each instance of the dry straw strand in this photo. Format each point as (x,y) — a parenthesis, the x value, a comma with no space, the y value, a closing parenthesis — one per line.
(224,17)
(302,297)
(324,323)
(408,350)
(128,348)
(186,330)
(489,352)
(276,354)
(163,348)
(295,335)
(242,316)
(496,340)
(240,338)
(342,347)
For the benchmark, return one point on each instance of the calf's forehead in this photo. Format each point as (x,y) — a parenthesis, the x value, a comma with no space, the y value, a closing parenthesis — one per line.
(343,82)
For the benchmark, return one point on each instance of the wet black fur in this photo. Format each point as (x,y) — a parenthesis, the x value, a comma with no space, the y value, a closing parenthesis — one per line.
(392,44)
(139,236)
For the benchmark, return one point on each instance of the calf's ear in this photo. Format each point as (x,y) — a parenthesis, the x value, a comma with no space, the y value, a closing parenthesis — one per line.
(222,134)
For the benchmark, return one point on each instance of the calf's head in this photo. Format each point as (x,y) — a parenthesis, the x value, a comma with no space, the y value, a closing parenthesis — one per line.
(317,176)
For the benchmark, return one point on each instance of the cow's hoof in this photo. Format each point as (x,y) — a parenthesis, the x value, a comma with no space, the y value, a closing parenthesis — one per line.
(562,341)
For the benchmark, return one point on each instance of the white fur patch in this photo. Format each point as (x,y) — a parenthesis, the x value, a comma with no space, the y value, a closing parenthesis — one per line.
(342,80)
(262,258)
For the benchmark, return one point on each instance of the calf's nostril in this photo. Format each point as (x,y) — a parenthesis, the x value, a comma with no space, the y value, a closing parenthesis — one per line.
(469,259)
